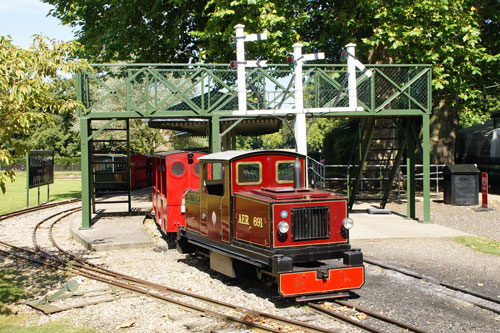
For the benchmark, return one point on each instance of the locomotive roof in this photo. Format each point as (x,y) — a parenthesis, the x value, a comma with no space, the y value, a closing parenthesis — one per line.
(230,155)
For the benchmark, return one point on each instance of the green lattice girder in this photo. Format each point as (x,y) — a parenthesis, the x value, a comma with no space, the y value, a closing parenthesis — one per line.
(160,90)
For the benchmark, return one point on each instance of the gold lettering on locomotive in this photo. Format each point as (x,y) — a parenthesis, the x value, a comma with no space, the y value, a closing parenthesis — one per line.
(243,219)
(258,222)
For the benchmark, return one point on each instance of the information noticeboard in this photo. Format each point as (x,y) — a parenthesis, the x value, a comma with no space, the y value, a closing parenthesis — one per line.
(41,168)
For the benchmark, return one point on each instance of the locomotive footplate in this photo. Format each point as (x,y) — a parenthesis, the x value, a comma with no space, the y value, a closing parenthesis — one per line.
(321,281)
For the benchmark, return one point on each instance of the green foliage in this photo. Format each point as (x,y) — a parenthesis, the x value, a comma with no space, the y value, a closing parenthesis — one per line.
(60,133)
(134,30)
(445,33)
(460,38)
(339,143)
(318,129)
(66,160)
(145,140)
(28,92)
(190,142)
(489,246)
(280,19)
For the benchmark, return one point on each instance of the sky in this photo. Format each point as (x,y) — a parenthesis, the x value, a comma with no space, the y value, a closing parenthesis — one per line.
(21,19)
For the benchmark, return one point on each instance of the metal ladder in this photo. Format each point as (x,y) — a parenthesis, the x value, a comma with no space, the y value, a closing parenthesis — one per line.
(114,142)
(381,141)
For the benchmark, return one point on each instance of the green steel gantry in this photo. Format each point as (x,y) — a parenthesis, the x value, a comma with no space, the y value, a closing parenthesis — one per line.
(114,92)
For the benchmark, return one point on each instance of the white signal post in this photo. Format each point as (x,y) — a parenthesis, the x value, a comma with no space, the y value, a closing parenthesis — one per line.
(300,118)
(241,64)
(352,63)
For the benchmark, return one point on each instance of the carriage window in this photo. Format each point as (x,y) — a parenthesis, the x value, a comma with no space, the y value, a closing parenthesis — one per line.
(196,169)
(177,169)
(248,173)
(213,173)
(284,171)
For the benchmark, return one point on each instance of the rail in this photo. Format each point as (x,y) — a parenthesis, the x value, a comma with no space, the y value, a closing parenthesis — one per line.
(323,176)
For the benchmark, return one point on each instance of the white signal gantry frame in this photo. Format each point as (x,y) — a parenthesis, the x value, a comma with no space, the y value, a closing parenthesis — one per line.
(299,59)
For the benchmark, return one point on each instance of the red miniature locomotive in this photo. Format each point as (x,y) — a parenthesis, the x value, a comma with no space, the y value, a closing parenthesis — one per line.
(251,210)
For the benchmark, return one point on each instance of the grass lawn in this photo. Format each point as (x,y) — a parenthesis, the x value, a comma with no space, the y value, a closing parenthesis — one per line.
(479,244)
(11,291)
(67,185)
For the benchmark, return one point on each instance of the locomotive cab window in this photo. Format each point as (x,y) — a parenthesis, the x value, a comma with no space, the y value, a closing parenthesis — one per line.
(213,175)
(284,172)
(248,173)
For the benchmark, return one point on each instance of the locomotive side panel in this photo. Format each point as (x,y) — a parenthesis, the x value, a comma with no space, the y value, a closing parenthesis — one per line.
(192,214)
(252,221)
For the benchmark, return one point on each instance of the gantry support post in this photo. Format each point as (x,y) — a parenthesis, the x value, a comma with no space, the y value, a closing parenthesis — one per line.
(410,173)
(85,165)
(426,167)
(215,137)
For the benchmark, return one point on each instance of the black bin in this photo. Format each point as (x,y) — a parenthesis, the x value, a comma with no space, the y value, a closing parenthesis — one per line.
(461,184)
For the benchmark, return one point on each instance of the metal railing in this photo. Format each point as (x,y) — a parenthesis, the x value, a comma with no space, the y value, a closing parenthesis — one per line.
(154,90)
(336,176)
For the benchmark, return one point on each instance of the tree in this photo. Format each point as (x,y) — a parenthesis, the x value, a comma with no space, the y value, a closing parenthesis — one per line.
(460,38)
(27,91)
(61,133)
(134,30)
(456,37)
(144,139)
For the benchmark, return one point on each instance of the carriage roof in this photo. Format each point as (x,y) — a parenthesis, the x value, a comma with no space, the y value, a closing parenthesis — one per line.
(231,155)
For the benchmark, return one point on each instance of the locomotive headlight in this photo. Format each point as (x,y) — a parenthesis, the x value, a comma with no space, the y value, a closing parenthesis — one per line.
(283,227)
(348,223)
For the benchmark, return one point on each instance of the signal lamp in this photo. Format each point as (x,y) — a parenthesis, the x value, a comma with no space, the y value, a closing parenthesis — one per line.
(232,64)
(290,61)
(343,55)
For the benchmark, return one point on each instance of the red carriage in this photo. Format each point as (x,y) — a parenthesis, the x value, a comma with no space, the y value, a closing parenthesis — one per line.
(173,173)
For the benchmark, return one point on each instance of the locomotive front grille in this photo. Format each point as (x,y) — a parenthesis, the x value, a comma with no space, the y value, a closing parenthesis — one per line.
(310,223)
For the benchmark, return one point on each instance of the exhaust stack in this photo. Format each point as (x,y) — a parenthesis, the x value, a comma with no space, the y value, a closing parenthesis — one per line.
(297,174)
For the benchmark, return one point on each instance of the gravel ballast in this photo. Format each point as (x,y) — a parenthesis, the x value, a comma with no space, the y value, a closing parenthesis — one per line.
(418,302)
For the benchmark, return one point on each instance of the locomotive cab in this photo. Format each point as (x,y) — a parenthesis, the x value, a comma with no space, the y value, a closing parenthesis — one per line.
(251,209)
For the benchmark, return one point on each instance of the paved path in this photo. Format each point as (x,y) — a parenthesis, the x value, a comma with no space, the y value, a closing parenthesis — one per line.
(376,226)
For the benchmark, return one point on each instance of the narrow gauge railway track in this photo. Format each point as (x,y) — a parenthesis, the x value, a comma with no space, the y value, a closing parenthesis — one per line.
(376,316)
(481,297)
(244,316)
(37,208)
